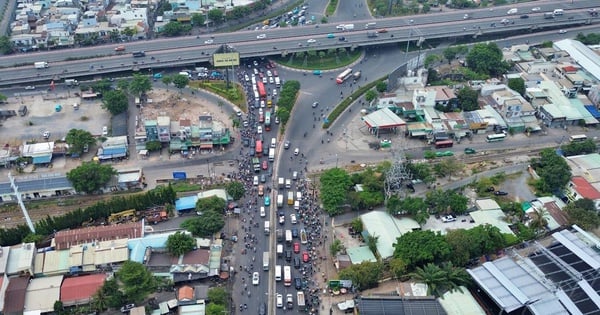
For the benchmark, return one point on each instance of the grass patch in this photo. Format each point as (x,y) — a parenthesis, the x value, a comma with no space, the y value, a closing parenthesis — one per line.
(320,60)
(235,94)
(183,186)
(338,110)
(331,6)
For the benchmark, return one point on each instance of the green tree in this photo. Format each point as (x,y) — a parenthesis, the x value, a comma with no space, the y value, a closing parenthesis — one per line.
(450,53)
(99,301)
(517,85)
(579,148)
(3,98)
(583,213)
(283,114)
(370,95)
(102,86)
(140,84)
(461,246)
(553,170)
(397,267)
(129,31)
(215,15)
(235,189)
(418,248)
(218,295)
(335,247)
(59,308)
(6,45)
(213,204)
(204,225)
(439,280)
(487,59)
(77,139)
(175,28)
(153,145)
(181,81)
(467,99)
(115,102)
(381,86)
(449,201)
(167,80)
(372,240)
(334,189)
(430,60)
(357,225)
(364,276)
(215,309)
(421,171)
(136,281)
(89,177)
(199,19)
(180,243)
(123,85)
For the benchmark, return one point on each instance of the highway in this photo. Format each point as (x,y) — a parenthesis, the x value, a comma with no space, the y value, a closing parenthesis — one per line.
(186,51)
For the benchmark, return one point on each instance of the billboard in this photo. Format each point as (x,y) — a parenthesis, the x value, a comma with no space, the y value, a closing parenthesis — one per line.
(226,59)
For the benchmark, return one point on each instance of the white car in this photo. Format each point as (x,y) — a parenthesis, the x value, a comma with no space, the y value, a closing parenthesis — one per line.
(255,278)
(271,80)
(279,300)
(293,218)
(46,134)
(448,218)
(535,9)
(274,92)
(245,123)
(104,131)
(269,73)
(264,79)
(260,110)
(310,41)
(562,31)
(276,119)
(30,87)
(255,181)
(259,129)
(296,151)
(208,41)
(261,36)
(282,220)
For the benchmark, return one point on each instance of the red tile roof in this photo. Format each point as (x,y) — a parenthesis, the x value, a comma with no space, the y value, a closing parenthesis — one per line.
(195,257)
(14,298)
(78,290)
(584,188)
(185,293)
(68,238)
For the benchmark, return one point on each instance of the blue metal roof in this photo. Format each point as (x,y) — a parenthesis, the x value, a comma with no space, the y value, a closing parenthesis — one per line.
(44,159)
(45,183)
(593,110)
(186,203)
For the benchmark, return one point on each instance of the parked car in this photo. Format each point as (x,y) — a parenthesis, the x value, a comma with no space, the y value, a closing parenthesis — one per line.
(500,193)
(448,218)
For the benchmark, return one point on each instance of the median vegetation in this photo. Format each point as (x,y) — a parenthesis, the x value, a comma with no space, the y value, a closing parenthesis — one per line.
(287,99)
(331,6)
(320,59)
(234,94)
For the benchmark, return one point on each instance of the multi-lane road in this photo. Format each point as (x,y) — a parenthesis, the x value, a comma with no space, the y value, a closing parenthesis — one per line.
(170,52)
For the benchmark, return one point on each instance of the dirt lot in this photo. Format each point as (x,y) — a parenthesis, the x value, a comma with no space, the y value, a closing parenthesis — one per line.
(42,116)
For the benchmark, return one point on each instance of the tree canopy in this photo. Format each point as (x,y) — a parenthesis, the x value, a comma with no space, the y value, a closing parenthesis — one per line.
(181,81)
(487,59)
(335,183)
(418,248)
(448,201)
(517,85)
(364,276)
(235,189)
(583,213)
(180,243)
(77,139)
(553,170)
(89,177)
(140,84)
(115,102)
(441,279)
(175,28)
(210,217)
(137,282)
(467,99)
(577,148)
(216,16)
(6,45)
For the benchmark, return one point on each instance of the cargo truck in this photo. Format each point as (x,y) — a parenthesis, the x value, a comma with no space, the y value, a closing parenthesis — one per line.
(266,257)
(267,227)
(136,54)
(288,183)
(280,181)
(290,198)
(288,237)
(71,82)
(372,34)
(348,27)
(301,301)
(40,65)
(256,164)
(279,201)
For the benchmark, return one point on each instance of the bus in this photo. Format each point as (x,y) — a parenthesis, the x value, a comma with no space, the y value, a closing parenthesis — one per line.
(577,138)
(268,121)
(259,148)
(287,276)
(261,89)
(343,76)
(277,272)
(495,137)
(444,144)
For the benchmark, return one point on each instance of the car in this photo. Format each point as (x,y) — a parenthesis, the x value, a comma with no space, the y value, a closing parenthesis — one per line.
(275,74)
(259,129)
(465,17)
(30,87)
(535,9)
(524,16)
(286,144)
(311,41)
(238,113)
(305,257)
(298,283)
(265,165)
(46,134)
(262,105)
(264,80)
(246,142)
(342,39)
(297,262)
(261,36)
(562,31)
(505,21)
(271,80)
(267,201)
(263,178)
(277,119)
(255,278)
(490,189)
(293,218)
(245,123)
(470,151)
(279,300)
(269,73)
(500,193)
(296,247)
(255,63)
(330,36)
(382,31)
(208,41)
(274,92)
(127,308)
(340,27)
(104,131)
(255,181)
(262,309)
(448,218)
(261,190)
(288,255)
(295,233)
(315,104)
(444,153)
(296,151)
(282,219)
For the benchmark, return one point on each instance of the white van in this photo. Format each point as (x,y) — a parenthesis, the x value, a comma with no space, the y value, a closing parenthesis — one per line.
(558,12)
(278,273)
(296,206)
(370,24)
(255,181)
(298,195)
(262,212)
(273,142)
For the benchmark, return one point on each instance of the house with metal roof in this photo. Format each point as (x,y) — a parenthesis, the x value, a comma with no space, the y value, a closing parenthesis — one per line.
(399,305)
(79,290)
(580,188)
(91,235)
(460,303)
(41,293)
(388,229)
(360,254)
(35,187)
(14,296)
(113,148)
(557,275)
(40,153)
(20,260)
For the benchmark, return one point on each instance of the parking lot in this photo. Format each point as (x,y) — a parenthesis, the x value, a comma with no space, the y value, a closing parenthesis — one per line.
(42,115)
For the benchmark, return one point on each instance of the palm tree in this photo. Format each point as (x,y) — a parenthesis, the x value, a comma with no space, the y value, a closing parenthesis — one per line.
(455,277)
(433,276)
(372,243)
(538,221)
(336,247)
